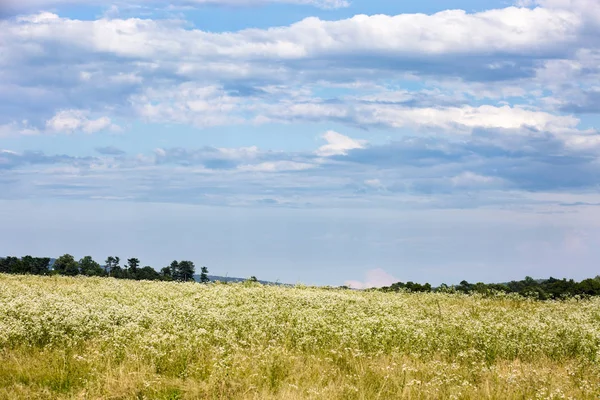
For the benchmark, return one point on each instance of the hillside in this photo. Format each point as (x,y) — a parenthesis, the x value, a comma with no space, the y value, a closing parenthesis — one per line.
(230,279)
(100,338)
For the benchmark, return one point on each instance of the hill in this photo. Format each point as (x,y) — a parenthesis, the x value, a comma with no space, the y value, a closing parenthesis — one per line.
(230,279)
(98,338)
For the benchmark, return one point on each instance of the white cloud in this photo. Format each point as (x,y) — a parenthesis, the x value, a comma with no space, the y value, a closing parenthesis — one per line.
(18,128)
(589,9)
(276,166)
(202,106)
(189,103)
(191,155)
(240,152)
(69,121)
(375,184)
(373,278)
(144,50)
(469,179)
(517,31)
(453,119)
(583,142)
(338,144)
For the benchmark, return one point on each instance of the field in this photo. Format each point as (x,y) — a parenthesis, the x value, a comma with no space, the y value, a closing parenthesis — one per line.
(100,338)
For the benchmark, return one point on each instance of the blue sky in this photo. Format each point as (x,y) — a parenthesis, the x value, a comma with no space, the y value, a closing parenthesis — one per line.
(315,141)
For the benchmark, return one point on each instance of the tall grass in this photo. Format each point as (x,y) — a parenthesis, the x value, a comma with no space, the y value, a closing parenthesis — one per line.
(98,338)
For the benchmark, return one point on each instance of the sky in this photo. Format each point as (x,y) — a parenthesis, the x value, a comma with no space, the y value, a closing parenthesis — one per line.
(327,142)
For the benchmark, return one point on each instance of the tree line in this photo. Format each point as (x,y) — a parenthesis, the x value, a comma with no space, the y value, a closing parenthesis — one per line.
(67,265)
(543,289)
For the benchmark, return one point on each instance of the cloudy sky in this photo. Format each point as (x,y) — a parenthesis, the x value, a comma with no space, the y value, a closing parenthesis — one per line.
(315,141)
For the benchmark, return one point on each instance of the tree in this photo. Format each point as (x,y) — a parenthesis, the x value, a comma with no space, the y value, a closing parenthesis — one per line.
(186,271)
(165,274)
(464,287)
(174,268)
(12,265)
(148,273)
(110,263)
(204,275)
(590,287)
(66,265)
(27,265)
(118,272)
(133,264)
(41,266)
(253,279)
(89,267)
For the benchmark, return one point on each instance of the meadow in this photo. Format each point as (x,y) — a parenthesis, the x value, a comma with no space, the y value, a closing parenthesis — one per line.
(102,338)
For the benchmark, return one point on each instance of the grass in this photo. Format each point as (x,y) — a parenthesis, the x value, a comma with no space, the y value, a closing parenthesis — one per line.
(98,338)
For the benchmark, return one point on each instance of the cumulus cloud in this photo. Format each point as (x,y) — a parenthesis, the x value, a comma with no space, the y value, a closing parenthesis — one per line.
(165,71)
(472,103)
(69,121)
(338,144)
(190,103)
(511,31)
(374,278)
(413,41)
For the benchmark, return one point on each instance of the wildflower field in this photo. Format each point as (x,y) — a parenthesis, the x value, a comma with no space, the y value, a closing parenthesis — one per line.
(101,338)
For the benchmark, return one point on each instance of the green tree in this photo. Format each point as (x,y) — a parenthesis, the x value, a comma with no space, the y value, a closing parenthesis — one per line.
(32,265)
(186,271)
(118,272)
(27,265)
(66,265)
(133,264)
(12,265)
(174,268)
(165,274)
(89,267)
(110,263)
(204,275)
(148,273)
(253,279)
(41,265)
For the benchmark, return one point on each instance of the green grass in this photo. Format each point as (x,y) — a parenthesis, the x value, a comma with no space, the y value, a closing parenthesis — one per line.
(99,338)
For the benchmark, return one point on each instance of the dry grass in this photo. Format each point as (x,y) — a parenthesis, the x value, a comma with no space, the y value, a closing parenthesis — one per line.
(94,338)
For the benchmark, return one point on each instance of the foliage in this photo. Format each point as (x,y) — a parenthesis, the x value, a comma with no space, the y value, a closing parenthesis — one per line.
(204,275)
(66,265)
(89,267)
(110,264)
(186,271)
(543,289)
(25,265)
(99,338)
(132,267)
